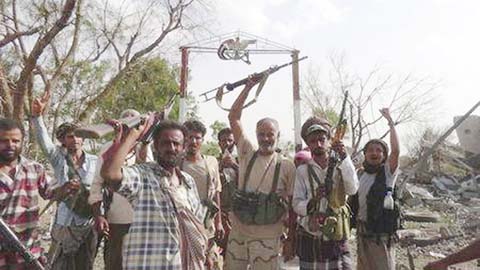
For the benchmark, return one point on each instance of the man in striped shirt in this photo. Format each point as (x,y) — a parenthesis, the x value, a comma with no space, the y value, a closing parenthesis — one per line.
(22,182)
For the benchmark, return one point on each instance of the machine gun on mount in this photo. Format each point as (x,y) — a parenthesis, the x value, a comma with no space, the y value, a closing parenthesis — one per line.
(10,240)
(263,76)
(320,219)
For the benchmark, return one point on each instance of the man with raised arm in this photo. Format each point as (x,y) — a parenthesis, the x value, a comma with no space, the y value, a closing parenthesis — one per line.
(74,239)
(377,216)
(260,202)
(166,232)
(323,215)
(113,213)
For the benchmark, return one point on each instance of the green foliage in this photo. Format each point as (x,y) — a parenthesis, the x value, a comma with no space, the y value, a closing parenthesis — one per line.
(147,87)
(328,113)
(211,148)
(216,127)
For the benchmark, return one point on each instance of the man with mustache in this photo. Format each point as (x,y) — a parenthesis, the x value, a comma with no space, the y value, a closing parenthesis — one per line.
(22,181)
(264,176)
(166,232)
(74,239)
(324,230)
(204,170)
(228,164)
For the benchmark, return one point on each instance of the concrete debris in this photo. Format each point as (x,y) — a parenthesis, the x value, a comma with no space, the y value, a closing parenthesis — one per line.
(445,183)
(420,192)
(436,255)
(422,216)
(471,185)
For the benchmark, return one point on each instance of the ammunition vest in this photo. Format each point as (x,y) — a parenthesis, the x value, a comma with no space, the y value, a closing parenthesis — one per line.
(380,221)
(258,208)
(337,208)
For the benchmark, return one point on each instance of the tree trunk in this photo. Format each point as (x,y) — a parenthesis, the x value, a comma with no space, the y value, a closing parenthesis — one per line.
(31,61)
(5,95)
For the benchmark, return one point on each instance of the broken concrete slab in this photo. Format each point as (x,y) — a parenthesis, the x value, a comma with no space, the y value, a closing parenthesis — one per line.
(422,216)
(408,234)
(471,185)
(419,192)
(445,183)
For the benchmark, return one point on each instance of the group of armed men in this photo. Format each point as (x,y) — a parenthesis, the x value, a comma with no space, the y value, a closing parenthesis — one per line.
(166,206)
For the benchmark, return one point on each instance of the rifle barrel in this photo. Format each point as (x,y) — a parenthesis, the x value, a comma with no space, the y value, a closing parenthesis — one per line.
(266,72)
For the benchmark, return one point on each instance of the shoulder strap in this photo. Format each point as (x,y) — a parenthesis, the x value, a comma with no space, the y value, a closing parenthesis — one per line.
(310,178)
(311,173)
(276,175)
(208,176)
(249,169)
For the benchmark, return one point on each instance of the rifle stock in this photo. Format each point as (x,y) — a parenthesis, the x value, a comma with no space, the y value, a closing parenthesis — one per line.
(98,131)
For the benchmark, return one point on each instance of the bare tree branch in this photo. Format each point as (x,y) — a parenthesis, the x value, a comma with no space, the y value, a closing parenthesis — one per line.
(11,37)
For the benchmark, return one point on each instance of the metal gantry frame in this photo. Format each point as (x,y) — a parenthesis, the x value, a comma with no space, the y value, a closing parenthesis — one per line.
(263,46)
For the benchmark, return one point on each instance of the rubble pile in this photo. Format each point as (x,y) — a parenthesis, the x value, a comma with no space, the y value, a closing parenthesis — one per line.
(440,207)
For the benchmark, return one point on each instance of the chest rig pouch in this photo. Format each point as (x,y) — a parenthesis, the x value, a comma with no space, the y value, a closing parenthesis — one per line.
(258,208)
(336,225)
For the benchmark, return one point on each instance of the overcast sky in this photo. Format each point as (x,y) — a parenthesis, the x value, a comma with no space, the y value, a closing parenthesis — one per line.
(434,38)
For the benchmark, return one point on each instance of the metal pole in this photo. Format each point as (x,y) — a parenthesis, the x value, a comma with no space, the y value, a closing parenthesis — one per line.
(183,85)
(296,101)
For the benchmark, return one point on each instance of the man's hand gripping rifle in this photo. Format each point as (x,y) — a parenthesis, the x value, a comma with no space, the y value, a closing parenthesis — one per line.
(101,130)
(320,219)
(260,76)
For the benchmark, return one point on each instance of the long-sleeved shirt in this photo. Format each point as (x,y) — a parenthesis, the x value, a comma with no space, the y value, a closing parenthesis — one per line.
(57,157)
(154,238)
(302,192)
(19,203)
(121,211)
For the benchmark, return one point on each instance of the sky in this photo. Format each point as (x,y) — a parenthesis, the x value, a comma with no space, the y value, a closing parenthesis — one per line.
(429,38)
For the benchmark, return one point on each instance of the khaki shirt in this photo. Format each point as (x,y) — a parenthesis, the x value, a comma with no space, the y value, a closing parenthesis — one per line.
(261,179)
(198,170)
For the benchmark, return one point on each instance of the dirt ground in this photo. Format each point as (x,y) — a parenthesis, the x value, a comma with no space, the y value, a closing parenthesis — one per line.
(421,255)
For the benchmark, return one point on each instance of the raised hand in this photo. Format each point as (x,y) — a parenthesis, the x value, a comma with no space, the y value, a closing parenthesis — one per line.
(386,113)
(39,104)
(339,147)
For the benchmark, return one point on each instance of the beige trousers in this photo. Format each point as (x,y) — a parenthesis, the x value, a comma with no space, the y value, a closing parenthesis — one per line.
(245,252)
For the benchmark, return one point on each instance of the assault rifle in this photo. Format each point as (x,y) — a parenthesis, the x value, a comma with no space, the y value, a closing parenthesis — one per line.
(255,76)
(9,239)
(101,130)
(320,219)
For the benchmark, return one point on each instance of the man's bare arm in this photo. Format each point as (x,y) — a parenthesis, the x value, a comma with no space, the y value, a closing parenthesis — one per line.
(468,253)
(111,170)
(236,111)
(394,144)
